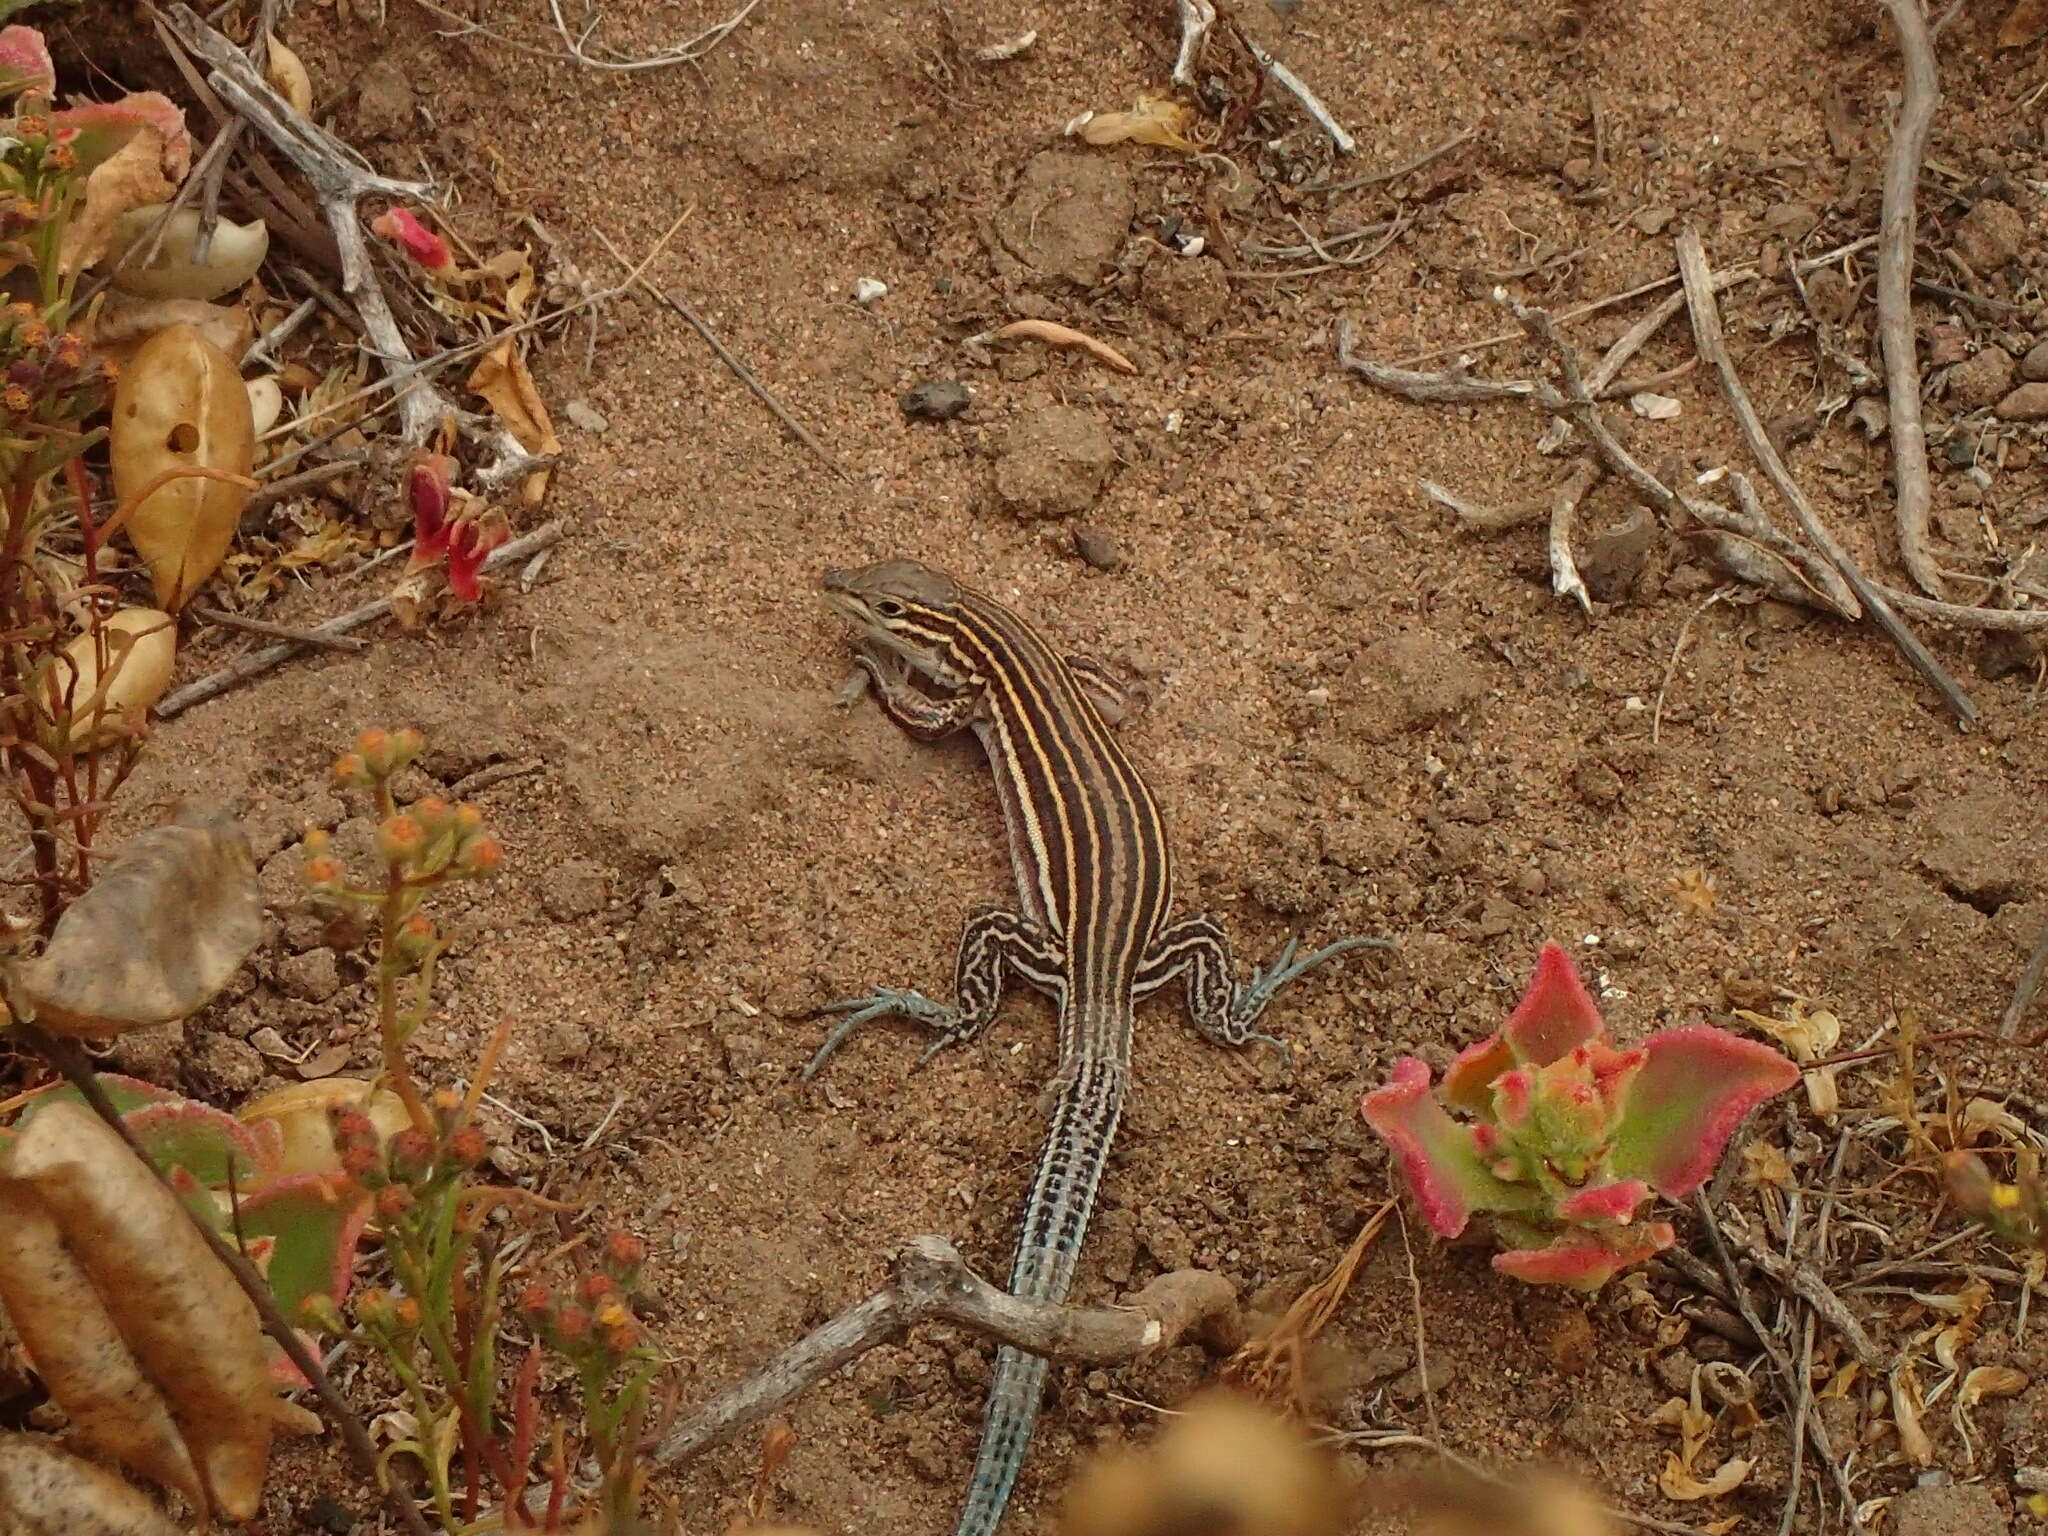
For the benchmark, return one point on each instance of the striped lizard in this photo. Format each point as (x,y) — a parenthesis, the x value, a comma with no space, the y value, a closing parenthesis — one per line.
(1092,929)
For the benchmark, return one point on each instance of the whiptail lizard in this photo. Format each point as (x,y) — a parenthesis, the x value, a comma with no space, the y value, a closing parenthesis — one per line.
(1092,928)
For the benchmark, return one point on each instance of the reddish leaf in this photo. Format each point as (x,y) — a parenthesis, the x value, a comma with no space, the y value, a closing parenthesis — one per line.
(1605,1202)
(1584,1263)
(1695,1086)
(1556,1015)
(1439,1158)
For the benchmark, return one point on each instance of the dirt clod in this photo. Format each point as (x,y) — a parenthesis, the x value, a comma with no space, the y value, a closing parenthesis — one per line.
(1990,235)
(1068,215)
(1958,1509)
(1055,462)
(1099,548)
(220,1068)
(936,400)
(1983,380)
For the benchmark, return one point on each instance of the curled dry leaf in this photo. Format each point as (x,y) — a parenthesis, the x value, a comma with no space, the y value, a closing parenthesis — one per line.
(286,72)
(1157,120)
(100,688)
(300,1115)
(47,1491)
(175,271)
(132,177)
(181,405)
(501,378)
(1988,1381)
(123,325)
(266,403)
(156,936)
(1654,407)
(1008,48)
(1808,1035)
(187,1325)
(1056,335)
(1907,1405)
(1674,1482)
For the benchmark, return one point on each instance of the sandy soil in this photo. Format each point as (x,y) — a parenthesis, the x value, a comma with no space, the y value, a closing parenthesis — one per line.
(1361,718)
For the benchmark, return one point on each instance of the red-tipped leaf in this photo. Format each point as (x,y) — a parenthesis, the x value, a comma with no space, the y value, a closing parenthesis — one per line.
(1695,1086)
(1556,1014)
(1438,1157)
(1584,1263)
(1615,1202)
(1469,1080)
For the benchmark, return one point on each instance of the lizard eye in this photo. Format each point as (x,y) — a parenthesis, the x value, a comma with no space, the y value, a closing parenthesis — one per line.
(889,608)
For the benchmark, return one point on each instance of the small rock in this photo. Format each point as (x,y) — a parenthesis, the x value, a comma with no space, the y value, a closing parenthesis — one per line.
(936,400)
(1985,378)
(2008,653)
(563,1040)
(868,289)
(1191,296)
(1055,462)
(1957,1509)
(313,976)
(1410,680)
(323,1514)
(270,1043)
(2034,366)
(1791,222)
(221,1068)
(574,890)
(1068,216)
(2027,403)
(1098,548)
(1989,236)
(1653,221)
(586,417)
(384,102)
(1596,783)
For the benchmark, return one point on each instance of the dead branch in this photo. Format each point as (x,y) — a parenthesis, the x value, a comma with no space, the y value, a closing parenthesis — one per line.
(686,52)
(340,180)
(930,1282)
(1896,233)
(2029,984)
(256,663)
(1713,346)
(269,631)
(1801,1280)
(1478,517)
(1565,580)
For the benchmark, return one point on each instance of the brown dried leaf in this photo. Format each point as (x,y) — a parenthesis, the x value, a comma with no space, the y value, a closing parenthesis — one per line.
(101,688)
(286,71)
(1907,1405)
(501,378)
(122,326)
(300,1114)
(1156,120)
(181,1314)
(46,1491)
(132,177)
(1674,1482)
(2024,25)
(157,935)
(1989,1381)
(76,1348)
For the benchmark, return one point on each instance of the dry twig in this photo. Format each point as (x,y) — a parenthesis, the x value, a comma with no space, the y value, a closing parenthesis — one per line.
(931,1282)
(2029,984)
(1897,230)
(686,52)
(1565,580)
(271,631)
(1713,346)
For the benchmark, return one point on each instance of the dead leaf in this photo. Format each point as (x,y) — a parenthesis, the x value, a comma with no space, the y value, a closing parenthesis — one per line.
(323,1063)
(1983,1116)
(1989,1381)
(501,378)
(1907,1405)
(1809,1034)
(157,935)
(1674,1482)
(1764,1162)
(122,326)
(2024,25)
(132,177)
(47,1491)
(1056,335)
(287,72)
(184,1321)
(1654,407)
(1156,120)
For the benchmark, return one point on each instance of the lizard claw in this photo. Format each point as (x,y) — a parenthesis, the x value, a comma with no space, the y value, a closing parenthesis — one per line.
(884,1000)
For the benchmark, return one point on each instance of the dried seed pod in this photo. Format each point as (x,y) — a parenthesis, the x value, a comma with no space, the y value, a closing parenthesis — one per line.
(181,404)
(300,1112)
(47,1491)
(175,269)
(101,706)
(184,1319)
(286,71)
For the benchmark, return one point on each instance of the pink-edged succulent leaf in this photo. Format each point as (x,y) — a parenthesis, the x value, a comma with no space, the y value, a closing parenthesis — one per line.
(99,130)
(197,1198)
(1695,1086)
(429,490)
(470,539)
(25,63)
(1469,1080)
(315,1221)
(1612,1071)
(1585,1262)
(1556,1014)
(402,227)
(125,1093)
(1614,1202)
(214,1147)
(1514,1099)
(1440,1159)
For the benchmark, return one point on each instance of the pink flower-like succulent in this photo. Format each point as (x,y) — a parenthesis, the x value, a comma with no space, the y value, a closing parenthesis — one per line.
(403,227)
(1567,1136)
(25,67)
(99,130)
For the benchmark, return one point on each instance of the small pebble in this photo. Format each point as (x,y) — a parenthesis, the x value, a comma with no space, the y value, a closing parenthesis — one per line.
(2034,366)
(585,417)
(2027,403)
(868,289)
(1098,548)
(937,400)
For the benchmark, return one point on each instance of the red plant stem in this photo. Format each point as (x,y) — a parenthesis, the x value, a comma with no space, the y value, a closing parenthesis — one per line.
(558,1483)
(74,471)
(525,1424)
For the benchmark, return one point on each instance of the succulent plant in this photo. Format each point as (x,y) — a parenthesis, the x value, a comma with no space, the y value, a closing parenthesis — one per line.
(1566,1136)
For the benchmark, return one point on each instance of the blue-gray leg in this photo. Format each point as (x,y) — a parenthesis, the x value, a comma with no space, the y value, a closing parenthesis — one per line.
(993,943)
(1196,948)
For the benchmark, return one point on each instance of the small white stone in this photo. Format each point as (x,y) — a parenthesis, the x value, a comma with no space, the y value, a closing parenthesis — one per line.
(868,289)
(1194,245)
(1654,407)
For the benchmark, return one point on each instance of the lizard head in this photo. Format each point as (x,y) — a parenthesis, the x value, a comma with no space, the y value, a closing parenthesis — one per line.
(898,606)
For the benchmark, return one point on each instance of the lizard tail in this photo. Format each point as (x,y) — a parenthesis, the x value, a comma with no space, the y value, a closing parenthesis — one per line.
(1088,1104)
